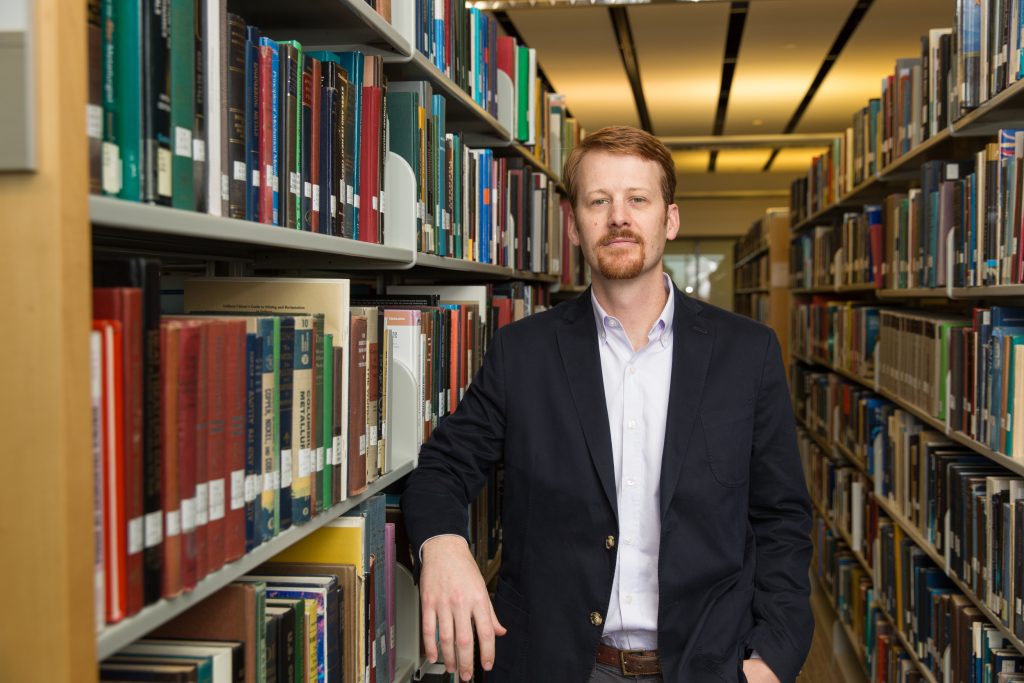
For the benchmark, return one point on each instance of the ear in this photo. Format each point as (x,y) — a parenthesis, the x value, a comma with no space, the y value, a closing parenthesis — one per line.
(672,222)
(574,235)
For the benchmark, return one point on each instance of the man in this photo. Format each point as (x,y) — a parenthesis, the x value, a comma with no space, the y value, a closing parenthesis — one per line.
(655,518)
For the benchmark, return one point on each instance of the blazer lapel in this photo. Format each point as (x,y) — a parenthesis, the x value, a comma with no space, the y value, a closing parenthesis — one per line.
(692,341)
(577,343)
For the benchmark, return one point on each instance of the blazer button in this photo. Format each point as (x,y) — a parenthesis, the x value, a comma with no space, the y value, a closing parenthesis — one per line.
(609,542)
(595,618)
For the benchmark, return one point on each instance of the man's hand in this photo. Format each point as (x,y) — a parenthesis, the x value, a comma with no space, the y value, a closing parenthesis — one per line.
(756,671)
(454,599)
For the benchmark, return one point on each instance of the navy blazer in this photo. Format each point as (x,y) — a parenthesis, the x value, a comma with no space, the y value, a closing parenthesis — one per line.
(735,533)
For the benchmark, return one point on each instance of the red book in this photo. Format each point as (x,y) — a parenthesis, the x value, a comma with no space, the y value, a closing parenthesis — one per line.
(369,160)
(204,376)
(170,335)
(357,406)
(266,133)
(124,304)
(234,439)
(189,344)
(112,439)
(216,389)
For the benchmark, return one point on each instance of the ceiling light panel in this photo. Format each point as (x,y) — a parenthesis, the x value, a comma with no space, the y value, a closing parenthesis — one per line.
(680,53)
(783,45)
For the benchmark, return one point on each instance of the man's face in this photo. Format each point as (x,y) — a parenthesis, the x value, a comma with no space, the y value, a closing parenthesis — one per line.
(620,219)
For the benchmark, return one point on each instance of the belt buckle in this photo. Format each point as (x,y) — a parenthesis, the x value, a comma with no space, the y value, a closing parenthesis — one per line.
(625,667)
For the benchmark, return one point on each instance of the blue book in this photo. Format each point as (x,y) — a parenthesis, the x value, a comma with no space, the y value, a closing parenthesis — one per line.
(253,435)
(252,122)
(374,511)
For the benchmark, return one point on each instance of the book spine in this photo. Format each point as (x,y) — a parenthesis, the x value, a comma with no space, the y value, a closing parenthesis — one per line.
(110,152)
(253,437)
(302,420)
(156,102)
(220,392)
(306,137)
(183,107)
(203,76)
(128,68)
(289,108)
(236,383)
(326,495)
(94,104)
(236,130)
(288,403)
(253,149)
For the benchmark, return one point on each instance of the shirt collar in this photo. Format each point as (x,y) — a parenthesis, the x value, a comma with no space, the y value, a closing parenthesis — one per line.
(662,328)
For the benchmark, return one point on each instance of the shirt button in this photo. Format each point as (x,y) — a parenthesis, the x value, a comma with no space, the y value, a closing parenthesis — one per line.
(628,541)
(612,323)
(596,619)
(629,599)
(609,542)
(631,424)
(632,370)
(630,482)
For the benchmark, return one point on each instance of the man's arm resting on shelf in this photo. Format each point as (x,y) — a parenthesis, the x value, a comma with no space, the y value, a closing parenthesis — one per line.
(452,469)
(454,599)
(780,515)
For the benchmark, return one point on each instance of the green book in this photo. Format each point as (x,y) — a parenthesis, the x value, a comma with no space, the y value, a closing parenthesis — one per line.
(316,440)
(404,136)
(110,152)
(128,84)
(523,94)
(183,103)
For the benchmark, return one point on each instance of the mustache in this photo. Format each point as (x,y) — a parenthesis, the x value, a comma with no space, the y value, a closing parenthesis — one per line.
(618,235)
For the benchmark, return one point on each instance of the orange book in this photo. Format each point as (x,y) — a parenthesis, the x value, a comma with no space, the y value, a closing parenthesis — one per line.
(115,524)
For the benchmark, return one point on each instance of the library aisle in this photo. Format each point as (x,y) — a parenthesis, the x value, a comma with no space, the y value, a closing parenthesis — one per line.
(255,251)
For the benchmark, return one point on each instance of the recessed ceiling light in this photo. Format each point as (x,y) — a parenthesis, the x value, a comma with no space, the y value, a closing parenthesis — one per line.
(758,122)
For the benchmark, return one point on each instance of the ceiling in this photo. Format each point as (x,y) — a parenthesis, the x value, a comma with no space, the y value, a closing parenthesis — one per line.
(680,49)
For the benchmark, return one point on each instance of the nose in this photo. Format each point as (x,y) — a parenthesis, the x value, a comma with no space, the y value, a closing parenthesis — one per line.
(619,215)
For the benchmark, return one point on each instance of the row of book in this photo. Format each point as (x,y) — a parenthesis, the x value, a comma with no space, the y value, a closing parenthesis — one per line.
(960,227)
(957,70)
(962,504)
(323,610)
(951,639)
(966,372)
(194,108)
(263,406)
(471,204)
(904,592)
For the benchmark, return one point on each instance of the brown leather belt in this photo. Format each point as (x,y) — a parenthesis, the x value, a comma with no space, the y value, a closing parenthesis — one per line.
(630,662)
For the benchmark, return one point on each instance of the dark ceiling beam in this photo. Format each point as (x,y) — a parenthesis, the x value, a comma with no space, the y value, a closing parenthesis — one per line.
(845,33)
(733,39)
(630,62)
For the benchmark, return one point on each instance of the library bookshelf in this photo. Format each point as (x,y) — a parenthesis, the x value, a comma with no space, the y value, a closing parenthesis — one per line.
(52,226)
(760,273)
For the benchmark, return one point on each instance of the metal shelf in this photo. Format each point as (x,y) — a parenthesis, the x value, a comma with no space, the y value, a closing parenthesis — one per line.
(115,636)
(915,535)
(328,24)
(160,228)
(462,266)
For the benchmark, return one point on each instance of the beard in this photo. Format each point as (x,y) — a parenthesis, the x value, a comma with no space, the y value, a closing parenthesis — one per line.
(620,263)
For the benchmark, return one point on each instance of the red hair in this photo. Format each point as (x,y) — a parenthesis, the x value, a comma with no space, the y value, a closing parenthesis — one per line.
(624,140)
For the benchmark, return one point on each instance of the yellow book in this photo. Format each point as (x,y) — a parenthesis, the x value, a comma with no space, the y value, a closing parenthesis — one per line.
(336,543)
(312,654)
